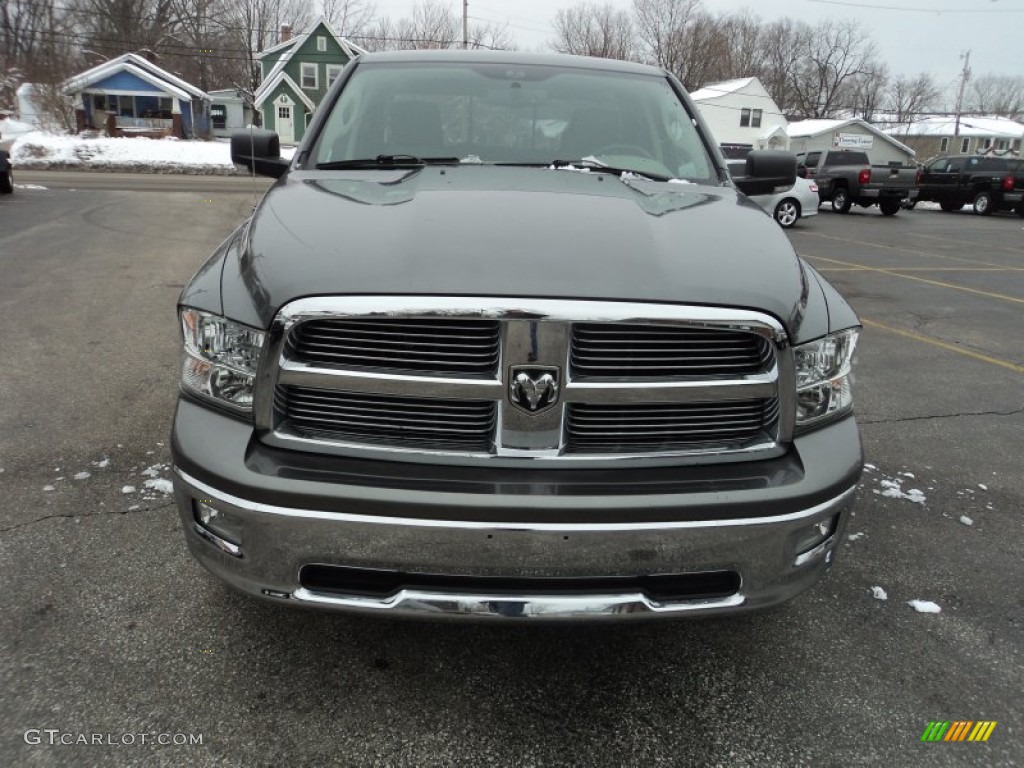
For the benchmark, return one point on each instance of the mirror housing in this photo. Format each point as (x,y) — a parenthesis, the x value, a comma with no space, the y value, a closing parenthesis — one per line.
(258,151)
(767,169)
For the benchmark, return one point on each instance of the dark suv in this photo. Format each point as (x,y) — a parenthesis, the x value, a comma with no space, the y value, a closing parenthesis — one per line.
(987,183)
(506,340)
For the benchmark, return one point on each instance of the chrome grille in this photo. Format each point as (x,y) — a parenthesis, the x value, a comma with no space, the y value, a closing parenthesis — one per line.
(666,427)
(347,416)
(429,379)
(606,350)
(437,347)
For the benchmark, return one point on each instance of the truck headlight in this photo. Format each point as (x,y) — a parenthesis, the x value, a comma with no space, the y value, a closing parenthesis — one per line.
(221,358)
(824,378)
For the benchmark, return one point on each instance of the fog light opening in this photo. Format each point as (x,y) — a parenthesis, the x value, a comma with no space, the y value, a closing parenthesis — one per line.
(217,527)
(810,542)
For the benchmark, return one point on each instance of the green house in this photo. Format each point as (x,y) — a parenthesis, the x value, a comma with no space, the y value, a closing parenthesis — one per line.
(296,74)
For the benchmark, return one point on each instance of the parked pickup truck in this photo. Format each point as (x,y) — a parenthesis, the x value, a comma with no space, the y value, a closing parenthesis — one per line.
(848,178)
(986,183)
(505,340)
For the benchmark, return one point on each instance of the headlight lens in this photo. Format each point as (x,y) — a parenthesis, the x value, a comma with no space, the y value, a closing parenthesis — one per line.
(824,378)
(221,358)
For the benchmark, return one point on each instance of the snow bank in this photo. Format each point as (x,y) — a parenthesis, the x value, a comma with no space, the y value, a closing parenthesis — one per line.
(40,150)
(924,606)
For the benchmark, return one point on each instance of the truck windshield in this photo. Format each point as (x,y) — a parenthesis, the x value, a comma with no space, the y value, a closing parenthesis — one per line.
(513,114)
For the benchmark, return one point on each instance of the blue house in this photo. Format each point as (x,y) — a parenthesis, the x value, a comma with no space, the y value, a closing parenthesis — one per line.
(132,96)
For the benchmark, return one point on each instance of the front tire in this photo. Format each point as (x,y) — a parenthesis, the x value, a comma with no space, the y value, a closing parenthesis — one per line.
(6,182)
(983,204)
(787,213)
(889,207)
(841,201)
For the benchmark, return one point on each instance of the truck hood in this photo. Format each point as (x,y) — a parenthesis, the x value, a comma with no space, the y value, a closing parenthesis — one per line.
(511,232)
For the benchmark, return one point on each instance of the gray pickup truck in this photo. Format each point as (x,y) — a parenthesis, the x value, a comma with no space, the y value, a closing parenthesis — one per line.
(847,178)
(506,341)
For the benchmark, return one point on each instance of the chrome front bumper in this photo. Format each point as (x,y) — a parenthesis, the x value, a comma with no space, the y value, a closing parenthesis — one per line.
(276,542)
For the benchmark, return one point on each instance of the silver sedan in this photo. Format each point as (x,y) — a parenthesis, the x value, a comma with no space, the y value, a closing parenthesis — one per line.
(789,206)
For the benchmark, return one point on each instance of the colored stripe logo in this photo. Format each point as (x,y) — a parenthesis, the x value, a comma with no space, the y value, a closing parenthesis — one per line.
(958,730)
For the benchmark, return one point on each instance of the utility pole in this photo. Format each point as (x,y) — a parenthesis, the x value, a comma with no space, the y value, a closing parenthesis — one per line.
(465,24)
(964,77)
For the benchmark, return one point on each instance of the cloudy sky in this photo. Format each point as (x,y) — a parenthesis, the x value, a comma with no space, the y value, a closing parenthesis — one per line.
(914,36)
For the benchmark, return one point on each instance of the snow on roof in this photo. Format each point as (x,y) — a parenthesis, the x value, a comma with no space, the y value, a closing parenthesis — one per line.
(140,67)
(717,90)
(1000,127)
(271,83)
(807,128)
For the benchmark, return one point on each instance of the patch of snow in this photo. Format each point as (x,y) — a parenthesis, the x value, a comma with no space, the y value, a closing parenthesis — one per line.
(60,478)
(37,149)
(128,489)
(1,470)
(983,486)
(149,453)
(83,475)
(855,536)
(160,484)
(878,593)
(48,488)
(924,606)
(120,446)
(101,464)
(870,466)
(133,507)
(29,186)
(893,489)
(908,474)
(966,520)
(679,181)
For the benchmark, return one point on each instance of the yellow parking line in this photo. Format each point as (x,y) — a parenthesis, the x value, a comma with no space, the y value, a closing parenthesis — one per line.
(944,345)
(954,286)
(902,249)
(1018,251)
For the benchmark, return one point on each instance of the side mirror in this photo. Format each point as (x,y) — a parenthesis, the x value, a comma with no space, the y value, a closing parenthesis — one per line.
(766,170)
(259,151)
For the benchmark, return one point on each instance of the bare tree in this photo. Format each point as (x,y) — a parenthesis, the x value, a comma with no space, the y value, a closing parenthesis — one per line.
(256,26)
(907,97)
(664,28)
(348,17)
(828,61)
(997,95)
(432,24)
(864,94)
(595,30)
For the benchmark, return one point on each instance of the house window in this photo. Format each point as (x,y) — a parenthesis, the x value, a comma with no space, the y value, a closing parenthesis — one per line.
(944,144)
(321,43)
(1002,144)
(219,116)
(744,118)
(755,120)
(333,70)
(112,104)
(1016,145)
(965,146)
(309,76)
(99,101)
(284,113)
(987,143)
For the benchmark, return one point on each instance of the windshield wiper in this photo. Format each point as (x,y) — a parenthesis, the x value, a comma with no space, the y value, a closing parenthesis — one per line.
(386,161)
(593,164)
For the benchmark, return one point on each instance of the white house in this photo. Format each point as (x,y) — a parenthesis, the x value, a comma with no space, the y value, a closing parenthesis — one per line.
(230,110)
(742,113)
(852,133)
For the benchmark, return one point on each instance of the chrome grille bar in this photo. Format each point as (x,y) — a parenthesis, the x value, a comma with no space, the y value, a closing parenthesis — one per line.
(428,379)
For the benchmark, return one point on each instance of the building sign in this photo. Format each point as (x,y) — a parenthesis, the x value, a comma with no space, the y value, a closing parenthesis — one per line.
(852,141)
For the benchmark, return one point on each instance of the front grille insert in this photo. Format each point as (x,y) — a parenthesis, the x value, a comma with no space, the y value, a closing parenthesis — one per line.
(468,348)
(648,428)
(664,588)
(615,350)
(416,422)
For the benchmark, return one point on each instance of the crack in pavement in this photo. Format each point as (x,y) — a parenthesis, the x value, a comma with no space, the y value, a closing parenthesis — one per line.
(87,514)
(941,416)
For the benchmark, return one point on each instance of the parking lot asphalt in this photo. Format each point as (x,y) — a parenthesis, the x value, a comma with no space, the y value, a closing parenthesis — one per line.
(110,628)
